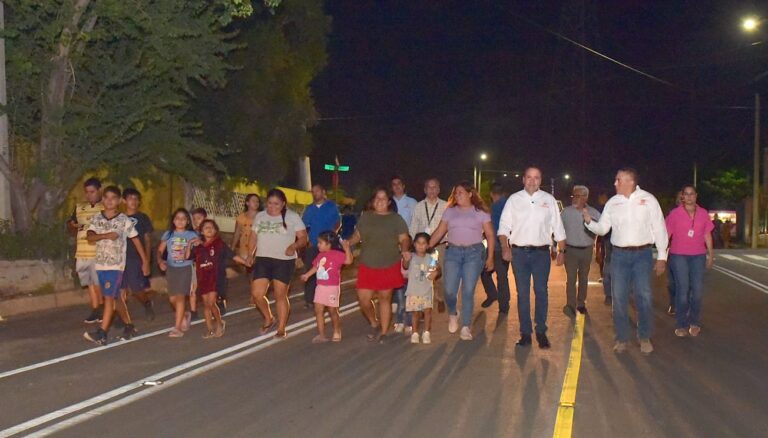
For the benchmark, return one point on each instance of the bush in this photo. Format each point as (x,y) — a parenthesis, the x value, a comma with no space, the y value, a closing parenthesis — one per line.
(41,242)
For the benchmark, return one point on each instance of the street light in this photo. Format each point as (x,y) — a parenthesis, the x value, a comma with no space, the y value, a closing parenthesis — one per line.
(751,24)
(479,170)
(566,176)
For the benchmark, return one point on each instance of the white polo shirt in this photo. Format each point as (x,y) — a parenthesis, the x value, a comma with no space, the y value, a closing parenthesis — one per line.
(531,220)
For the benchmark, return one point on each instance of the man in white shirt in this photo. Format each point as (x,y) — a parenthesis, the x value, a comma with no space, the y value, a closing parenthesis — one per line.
(426,217)
(529,220)
(405,206)
(636,222)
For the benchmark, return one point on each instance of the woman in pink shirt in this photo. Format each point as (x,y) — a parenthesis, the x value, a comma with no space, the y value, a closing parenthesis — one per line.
(690,252)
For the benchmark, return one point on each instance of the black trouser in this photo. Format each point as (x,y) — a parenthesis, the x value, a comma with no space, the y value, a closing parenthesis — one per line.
(309,287)
(501,267)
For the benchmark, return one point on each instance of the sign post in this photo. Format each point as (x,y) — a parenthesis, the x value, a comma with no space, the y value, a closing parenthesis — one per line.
(336,168)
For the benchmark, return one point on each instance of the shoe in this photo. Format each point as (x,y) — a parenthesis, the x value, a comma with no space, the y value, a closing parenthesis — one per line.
(426,338)
(408,330)
(309,306)
(504,310)
(524,340)
(681,332)
(441,307)
(466,334)
(281,335)
(175,333)
(488,302)
(542,339)
(129,331)
(453,323)
(671,310)
(222,305)
(569,311)
(221,329)
(186,321)
(608,300)
(645,346)
(149,310)
(619,347)
(93,318)
(98,336)
(694,330)
(582,310)
(399,327)
(382,339)
(415,339)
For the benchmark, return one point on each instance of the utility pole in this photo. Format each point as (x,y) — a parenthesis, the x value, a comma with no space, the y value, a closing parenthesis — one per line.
(5,151)
(756,176)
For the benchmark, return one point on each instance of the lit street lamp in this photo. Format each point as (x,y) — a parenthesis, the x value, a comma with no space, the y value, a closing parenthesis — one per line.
(565,176)
(751,24)
(479,170)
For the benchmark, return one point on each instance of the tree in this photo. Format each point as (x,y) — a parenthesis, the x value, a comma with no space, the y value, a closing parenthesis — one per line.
(262,118)
(108,83)
(727,189)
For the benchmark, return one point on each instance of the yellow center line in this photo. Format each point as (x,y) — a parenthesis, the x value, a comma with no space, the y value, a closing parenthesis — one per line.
(565,410)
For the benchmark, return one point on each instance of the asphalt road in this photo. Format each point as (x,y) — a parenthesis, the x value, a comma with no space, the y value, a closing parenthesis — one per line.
(53,382)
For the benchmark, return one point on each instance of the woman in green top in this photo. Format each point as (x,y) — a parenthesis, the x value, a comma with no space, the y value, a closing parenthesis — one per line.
(384,239)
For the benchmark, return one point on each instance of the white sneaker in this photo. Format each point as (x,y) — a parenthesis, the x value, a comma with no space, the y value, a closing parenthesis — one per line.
(645,346)
(408,330)
(399,327)
(415,338)
(466,334)
(426,338)
(453,323)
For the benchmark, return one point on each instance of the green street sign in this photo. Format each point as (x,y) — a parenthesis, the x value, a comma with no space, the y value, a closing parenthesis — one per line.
(343,168)
(330,167)
(339,168)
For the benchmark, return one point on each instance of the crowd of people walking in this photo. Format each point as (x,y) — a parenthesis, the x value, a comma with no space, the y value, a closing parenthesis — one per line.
(411,256)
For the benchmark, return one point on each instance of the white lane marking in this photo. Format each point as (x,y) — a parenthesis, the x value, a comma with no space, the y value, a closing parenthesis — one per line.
(730,257)
(756,257)
(144,391)
(71,356)
(742,278)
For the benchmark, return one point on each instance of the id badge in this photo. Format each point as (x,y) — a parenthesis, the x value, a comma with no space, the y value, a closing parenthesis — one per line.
(690,233)
(426,230)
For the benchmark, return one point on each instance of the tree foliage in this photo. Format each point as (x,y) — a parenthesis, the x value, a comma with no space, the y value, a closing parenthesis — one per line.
(727,189)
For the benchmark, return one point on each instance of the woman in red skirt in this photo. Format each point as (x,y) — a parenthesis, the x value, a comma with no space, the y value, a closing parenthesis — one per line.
(384,237)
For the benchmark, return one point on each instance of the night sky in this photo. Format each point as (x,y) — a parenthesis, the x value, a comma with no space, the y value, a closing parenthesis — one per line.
(423,87)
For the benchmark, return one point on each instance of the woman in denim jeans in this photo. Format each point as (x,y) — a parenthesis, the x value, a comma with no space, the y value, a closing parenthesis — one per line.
(466,220)
(690,252)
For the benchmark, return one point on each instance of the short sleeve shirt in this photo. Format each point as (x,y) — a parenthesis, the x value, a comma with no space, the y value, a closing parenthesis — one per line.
(465,226)
(111,254)
(418,283)
(687,236)
(380,238)
(272,237)
(177,243)
(329,264)
(82,215)
(210,262)
(143,226)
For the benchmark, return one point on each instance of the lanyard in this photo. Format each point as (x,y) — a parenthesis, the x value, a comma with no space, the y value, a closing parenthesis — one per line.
(434,210)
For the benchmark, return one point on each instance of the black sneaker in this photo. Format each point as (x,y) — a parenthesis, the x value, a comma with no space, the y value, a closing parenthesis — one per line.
(671,311)
(488,302)
(582,310)
(541,338)
(222,305)
(608,300)
(569,311)
(128,332)
(149,310)
(525,340)
(503,310)
(98,336)
(93,318)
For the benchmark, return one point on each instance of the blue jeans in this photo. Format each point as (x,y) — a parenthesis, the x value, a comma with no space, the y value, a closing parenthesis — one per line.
(462,263)
(689,282)
(631,273)
(527,263)
(401,317)
(671,285)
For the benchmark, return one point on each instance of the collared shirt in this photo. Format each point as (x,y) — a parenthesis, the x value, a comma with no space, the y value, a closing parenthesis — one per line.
(688,236)
(496,209)
(320,218)
(634,221)
(531,220)
(426,216)
(573,221)
(405,206)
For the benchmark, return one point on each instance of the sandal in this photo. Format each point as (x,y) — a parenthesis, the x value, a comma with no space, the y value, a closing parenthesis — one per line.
(175,333)
(268,327)
(336,337)
(281,335)
(209,335)
(220,330)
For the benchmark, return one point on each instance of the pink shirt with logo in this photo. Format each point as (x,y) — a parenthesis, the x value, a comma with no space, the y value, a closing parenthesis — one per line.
(686,234)
(329,264)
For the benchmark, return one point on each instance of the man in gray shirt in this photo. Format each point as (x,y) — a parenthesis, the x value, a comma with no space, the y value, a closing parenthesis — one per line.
(579,243)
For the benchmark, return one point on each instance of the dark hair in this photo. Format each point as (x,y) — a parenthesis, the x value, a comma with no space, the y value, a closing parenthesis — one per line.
(398,177)
(632,172)
(209,221)
(319,186)
(92,182)
(497,188)
(130,191)
(688,186)
(199,210)
(474,197)
(390,207)
(279,194)
(248,198)
(332,238)
(172,227)
(113,189)
(421,235)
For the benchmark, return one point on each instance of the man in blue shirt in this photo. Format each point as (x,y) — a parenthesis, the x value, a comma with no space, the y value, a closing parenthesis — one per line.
(405,207)
(500,266)
(322,215)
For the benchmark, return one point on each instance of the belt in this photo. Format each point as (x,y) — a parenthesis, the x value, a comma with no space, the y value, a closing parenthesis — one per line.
(633,248)
(453,245)
(529,247)
(578,247)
